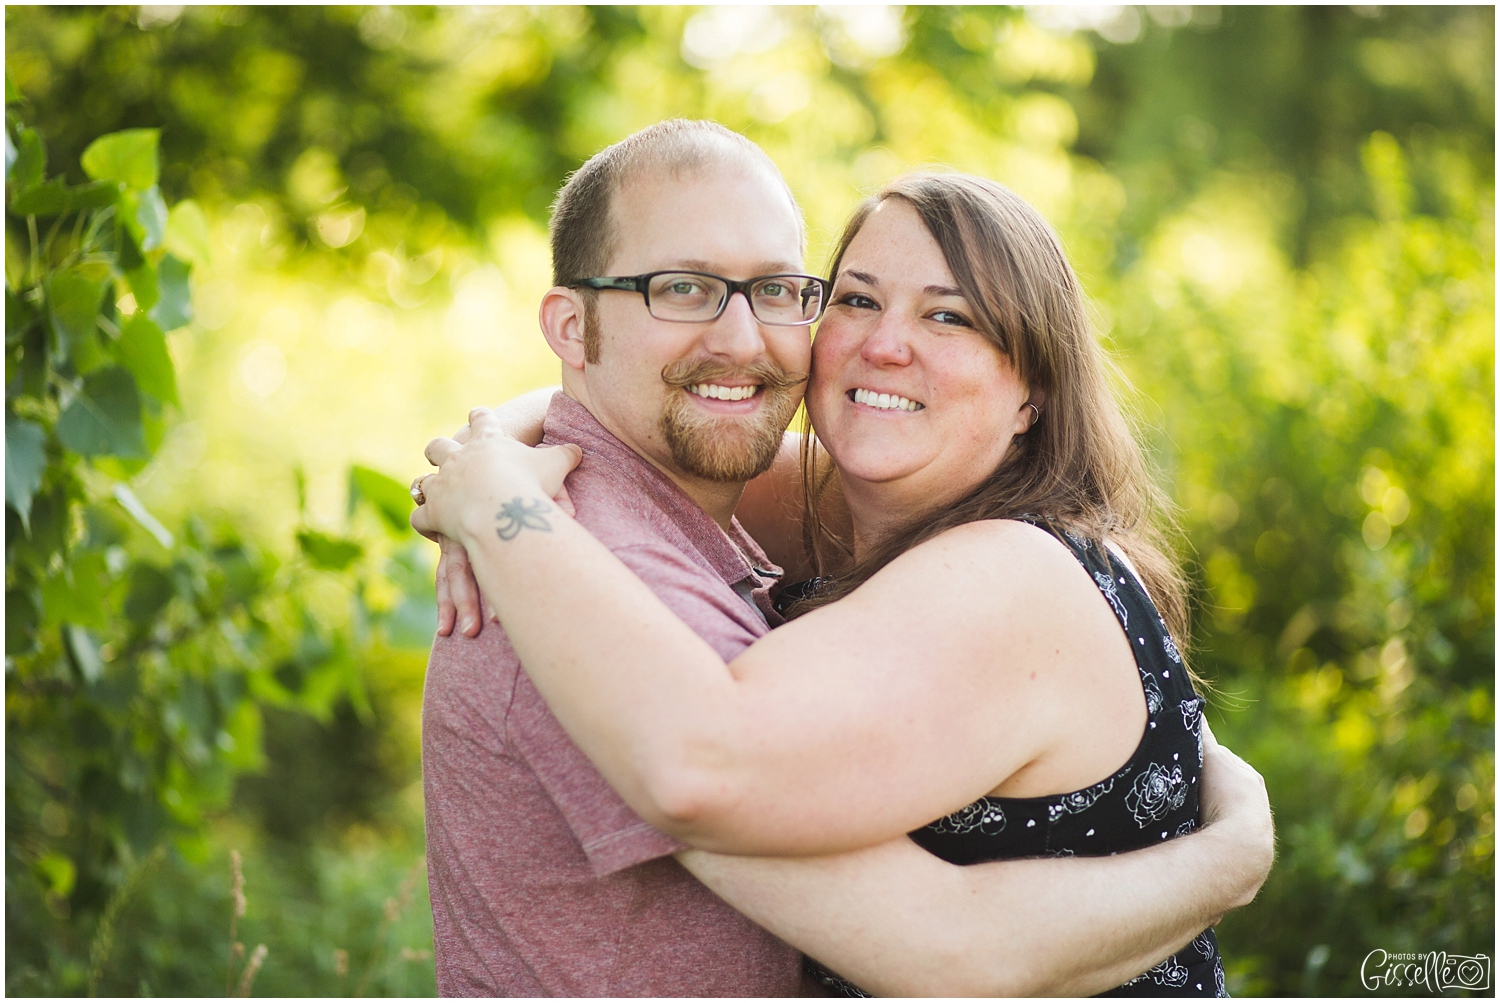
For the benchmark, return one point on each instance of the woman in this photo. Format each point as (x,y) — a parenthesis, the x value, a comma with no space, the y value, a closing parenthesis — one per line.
(983,656)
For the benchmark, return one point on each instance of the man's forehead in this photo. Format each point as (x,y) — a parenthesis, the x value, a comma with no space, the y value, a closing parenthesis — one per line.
(708,219)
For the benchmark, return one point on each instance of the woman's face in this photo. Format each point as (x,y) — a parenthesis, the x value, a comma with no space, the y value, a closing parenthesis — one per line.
(905,392)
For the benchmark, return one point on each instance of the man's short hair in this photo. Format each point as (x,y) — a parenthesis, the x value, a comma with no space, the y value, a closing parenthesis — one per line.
(583,227)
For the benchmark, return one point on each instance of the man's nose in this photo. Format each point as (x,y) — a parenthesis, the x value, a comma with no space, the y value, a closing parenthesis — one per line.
(887,344)
(736,335)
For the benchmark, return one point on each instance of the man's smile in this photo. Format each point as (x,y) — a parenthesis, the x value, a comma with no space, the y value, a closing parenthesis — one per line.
(723,393)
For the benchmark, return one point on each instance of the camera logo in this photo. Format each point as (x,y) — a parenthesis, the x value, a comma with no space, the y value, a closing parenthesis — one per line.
(1435,971)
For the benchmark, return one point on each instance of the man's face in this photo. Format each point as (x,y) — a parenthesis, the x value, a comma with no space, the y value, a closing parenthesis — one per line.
(657,384)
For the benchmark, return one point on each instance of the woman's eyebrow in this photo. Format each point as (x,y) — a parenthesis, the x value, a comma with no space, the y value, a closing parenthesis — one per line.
(943,291)
(864,277)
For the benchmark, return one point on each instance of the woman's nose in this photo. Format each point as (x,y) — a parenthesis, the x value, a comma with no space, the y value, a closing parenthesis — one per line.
(887,344)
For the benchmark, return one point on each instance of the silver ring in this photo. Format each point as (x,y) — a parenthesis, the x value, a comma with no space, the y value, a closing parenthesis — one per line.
(1034,410)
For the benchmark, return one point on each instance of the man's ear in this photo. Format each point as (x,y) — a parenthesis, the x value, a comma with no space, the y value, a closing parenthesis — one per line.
(561,318)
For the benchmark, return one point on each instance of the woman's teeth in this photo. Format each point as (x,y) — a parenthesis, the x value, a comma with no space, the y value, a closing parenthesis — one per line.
(722,393)
(889,402)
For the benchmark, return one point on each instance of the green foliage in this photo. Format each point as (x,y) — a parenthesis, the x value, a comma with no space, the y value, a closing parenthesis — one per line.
(139,664)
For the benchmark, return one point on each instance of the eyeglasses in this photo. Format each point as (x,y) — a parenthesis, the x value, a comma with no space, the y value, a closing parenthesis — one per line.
(696,297)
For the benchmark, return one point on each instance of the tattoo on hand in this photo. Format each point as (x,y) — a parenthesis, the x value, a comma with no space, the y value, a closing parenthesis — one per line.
(519,514)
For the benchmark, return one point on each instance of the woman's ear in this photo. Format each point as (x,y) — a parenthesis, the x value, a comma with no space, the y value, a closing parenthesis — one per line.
(562,319)
(1030,412)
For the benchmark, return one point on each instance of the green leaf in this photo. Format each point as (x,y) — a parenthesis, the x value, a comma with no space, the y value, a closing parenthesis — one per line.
(57,873)
(151,214)
(46,199)
(130,503)
(84,653)
(105,417)
(128,156)
(328,552)
(390,498)
(94,195)
(174,308)
(76,594)
(30,162)
(49,198)
(150,591)
(25,460)
(73,299)
(12,92)
(187,232)
(143,349)
(143,286)
(21,619)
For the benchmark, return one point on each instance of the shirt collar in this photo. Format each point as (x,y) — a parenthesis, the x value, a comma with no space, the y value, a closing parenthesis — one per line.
(734,556)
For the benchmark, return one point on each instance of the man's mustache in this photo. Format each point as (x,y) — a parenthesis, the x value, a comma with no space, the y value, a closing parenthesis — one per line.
(687,373)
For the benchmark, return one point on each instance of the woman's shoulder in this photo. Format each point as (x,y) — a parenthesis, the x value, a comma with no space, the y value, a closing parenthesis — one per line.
(1011,561)
(992,540)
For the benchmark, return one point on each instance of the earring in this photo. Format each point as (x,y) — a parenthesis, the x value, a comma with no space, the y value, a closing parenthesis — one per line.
(1036,411)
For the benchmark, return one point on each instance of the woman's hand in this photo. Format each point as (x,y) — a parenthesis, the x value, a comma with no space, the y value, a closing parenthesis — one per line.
(489,473)
(458,600)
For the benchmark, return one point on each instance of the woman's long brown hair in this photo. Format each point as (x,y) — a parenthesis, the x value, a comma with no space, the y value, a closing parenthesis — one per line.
(1078,467)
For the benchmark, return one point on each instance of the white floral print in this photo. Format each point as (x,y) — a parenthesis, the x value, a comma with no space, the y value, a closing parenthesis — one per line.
(1082,542)
(1170,647)
(1192,713)
(1079,801)
(1107,586)
(983,816)
(1156,791)
(1169,973)
(1153,692)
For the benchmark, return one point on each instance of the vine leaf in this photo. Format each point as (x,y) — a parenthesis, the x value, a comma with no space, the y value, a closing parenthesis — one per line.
(73,298)
(328,552)
(390,498)
(174,306)
(151,214)
(128,156)
(30,162)
(105,417)
(25,459)
(143,349)
(76,595)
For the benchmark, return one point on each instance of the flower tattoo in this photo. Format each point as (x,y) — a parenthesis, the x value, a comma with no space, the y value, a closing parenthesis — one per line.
(518,514)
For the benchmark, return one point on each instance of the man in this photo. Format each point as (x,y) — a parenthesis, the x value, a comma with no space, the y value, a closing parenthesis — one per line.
(542,880)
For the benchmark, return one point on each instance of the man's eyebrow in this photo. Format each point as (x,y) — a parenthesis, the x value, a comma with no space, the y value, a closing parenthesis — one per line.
(763,268)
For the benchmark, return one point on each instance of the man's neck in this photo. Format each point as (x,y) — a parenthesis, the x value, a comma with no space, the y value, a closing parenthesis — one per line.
(717,498)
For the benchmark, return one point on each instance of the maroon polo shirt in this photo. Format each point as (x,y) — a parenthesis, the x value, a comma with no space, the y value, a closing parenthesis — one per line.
(543,882)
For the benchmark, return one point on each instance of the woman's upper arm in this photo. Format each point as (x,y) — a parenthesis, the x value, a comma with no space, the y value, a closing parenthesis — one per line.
(910,698)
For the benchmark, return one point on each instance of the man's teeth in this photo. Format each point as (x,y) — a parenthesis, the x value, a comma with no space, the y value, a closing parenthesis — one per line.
(722,393)
(888,401)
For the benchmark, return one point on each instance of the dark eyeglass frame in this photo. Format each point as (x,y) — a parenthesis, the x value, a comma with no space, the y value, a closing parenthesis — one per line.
(642,284)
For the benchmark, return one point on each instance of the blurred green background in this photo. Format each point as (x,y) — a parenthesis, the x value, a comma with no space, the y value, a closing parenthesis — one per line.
(1285,218)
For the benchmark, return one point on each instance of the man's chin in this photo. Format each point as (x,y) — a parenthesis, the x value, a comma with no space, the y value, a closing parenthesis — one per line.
(725,449)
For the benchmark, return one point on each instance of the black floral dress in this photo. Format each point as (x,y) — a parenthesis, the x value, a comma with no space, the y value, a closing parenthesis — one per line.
(1154,797)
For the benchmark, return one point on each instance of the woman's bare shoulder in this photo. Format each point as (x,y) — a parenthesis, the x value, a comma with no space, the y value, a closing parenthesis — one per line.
(990,577)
